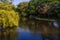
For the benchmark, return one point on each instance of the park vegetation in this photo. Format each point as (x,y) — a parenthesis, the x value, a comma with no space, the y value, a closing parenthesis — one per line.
(28,13)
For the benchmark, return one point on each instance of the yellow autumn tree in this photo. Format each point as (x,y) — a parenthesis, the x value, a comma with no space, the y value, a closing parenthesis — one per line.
(8,17)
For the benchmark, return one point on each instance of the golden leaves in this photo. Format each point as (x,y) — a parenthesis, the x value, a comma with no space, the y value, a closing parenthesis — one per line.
(8,18)
(6,6)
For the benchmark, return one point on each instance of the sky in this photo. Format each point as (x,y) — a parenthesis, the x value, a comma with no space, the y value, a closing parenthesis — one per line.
(18,1)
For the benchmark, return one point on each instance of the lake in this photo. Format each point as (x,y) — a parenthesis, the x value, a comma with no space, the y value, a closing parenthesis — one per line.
(25,34)
(33,33)
(28,35)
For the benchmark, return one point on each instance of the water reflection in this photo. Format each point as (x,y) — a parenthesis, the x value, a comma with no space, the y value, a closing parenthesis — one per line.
(36,31)
(50,30)
(56,24)
(28,35)
(19,34)
(10,34)
(25,34)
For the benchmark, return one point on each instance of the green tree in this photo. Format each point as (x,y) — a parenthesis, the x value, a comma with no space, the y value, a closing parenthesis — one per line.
(44,8)
(22,9)
(49,9)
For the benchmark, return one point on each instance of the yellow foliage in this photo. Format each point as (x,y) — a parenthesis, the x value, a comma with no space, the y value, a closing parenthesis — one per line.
(8,18)
(5,6)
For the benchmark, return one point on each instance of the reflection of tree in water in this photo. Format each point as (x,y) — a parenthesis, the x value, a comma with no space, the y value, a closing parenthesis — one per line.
(44,27)
(9,34)
(9,19)
(50,30)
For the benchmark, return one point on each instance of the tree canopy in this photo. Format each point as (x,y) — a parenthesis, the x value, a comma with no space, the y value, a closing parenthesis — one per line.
(22,9)
(44,8)
(5,6)
(6,1)
(41,10)
(8,17)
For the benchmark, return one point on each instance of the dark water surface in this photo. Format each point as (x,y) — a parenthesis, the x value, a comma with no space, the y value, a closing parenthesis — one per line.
(28,35)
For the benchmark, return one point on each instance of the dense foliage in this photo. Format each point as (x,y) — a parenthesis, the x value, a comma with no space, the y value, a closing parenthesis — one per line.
(36,9)
(22,9)
(44,8)
(8,17)
(6,1)
(5,6)
(49,9)
(29,12)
